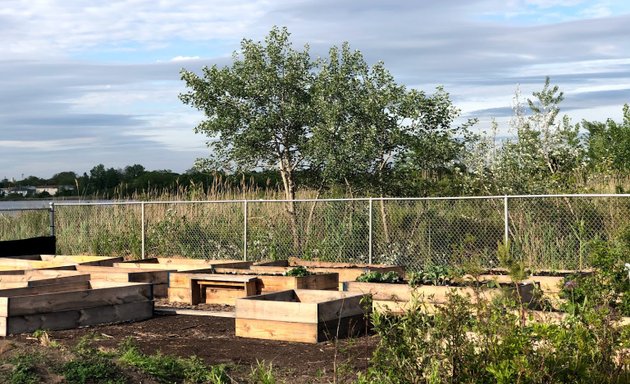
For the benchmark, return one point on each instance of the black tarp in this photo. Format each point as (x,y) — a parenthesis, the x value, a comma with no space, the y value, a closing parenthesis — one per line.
(44,245)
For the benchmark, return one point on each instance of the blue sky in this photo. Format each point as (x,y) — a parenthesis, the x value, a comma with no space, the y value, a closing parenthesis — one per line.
(82,85)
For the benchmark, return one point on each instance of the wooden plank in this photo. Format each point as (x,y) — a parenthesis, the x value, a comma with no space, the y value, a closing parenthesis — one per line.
(74,318)
(32,264)
(343,327)
(134,275)
(160,290)
(193,312)
(104,261)
(344,307)
(276,310)
(44,289)
(30,279)
(180,295)
(101,294)
(322,281)
(277,263)
(165,267)
(276,330)
(202,263)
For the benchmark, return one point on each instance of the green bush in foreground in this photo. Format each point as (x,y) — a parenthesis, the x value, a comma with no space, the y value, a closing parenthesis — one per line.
(494,342)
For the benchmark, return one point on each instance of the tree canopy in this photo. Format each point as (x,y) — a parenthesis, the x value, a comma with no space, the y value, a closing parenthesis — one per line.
(349,123)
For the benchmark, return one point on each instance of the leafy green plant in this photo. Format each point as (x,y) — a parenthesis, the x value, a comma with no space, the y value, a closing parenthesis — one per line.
(24,369)
(91,366)
(298,271)
(379,277)
(608,285)
(435,275)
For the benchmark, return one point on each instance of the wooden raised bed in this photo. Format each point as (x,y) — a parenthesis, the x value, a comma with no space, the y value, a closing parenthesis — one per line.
(196,288)
(42,278)
(396,297)
(29,309)
(73,259)
(307,316)
(157,277)
(274,282)
(201,263)
(346,271)
(13,266)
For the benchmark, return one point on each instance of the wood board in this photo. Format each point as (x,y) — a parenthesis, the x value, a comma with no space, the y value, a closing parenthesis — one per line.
(301,315)
(86,303)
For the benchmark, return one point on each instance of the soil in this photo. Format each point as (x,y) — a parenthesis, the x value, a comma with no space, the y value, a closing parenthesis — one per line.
(213,340)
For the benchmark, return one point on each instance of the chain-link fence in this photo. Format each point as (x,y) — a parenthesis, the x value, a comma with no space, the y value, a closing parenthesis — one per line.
(547,232)
(22,223)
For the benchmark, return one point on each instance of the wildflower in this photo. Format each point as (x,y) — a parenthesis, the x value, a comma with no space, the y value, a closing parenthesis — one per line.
(570,285)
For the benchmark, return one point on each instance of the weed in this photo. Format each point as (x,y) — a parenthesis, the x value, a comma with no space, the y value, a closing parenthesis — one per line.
(24,369)
(262,373)
(172,369)
(91,366)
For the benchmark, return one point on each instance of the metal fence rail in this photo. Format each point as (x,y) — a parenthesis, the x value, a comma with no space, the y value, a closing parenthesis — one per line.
(546,231)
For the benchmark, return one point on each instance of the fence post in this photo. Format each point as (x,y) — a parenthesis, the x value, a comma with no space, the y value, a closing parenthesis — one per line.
(51,211)
(370,231)
(144,233)
(506,228)
(244,230)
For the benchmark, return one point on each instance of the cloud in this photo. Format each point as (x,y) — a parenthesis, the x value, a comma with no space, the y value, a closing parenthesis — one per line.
(101,81)
(185,58)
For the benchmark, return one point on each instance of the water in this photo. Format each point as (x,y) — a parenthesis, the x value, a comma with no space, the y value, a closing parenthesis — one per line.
(39,204)
(24,204)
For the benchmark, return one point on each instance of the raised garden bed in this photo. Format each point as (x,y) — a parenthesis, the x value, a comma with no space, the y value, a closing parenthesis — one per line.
(32,308)
(346,271)
(42,278)
(276,281)
(307,316)
(395,298)
(201,263)
(74,259)
(196,288)
(12,266)
(157,277)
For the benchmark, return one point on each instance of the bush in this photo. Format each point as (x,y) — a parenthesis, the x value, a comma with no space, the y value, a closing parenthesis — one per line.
(608,285)
(491,342)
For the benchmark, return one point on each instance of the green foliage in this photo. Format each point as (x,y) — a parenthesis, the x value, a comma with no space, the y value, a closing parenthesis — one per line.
(262,374)
(172,369)
(435,275)
(608,285)
(516,268)
(91,366)
(608,144)
(298,271)
(546,155)
(345,121)
(489,343)
(380,277)
(24,369)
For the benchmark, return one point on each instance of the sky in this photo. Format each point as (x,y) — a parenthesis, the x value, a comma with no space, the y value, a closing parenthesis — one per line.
(90,82)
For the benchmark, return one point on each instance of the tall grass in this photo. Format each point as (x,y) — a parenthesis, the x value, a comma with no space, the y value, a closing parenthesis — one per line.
(549,233)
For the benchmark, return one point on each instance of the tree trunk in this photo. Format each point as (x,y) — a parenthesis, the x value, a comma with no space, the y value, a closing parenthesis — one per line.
(289,195)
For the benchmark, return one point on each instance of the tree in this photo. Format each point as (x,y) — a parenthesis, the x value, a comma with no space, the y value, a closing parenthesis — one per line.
(338,118)
(608,144)
(546,154)
(258,110)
